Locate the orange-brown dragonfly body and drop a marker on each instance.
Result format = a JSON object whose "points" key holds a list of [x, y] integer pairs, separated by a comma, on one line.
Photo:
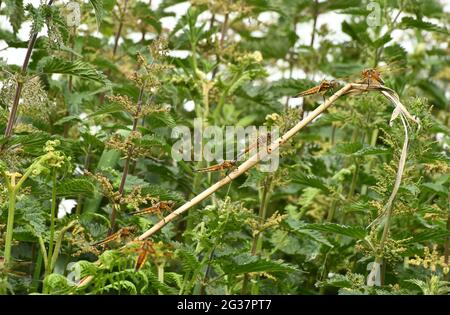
{"points": [[145, 249], [116, 236], [225, 165], [322, 88], [370, 76], [157, 208]]}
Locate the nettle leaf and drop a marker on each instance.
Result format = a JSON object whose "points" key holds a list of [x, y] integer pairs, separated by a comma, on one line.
{"points": [[32, 215], [337, 280], [151, 140], [15, 12], [351, 231], [37, 16], [188, 260], [56, 283], [369, 150], [50, 65], [257, 265], [386, 38], [160, 286], [437, 188], [31, 143], [160, 119], [315, 235], [395, 52], [429, 235], [409, 22], [163, 193], [107, 109], [348, 148], [310, 181], [253, 179], [121, 285], [73, 187], [98, 8], [434, 91]]}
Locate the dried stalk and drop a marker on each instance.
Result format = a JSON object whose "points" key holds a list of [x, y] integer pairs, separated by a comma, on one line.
{"points": [[251, 162], [350, 88]]}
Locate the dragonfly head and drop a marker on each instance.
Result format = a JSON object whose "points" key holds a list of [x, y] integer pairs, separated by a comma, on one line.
{"points": [[334, 84]]}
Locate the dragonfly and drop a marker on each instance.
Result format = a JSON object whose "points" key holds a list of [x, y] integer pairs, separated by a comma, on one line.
{"points": [[123, 232], [367, 76], [372, 75], [225, 165], [262, 141], [322, 88], [146, 247], [157, 208]]}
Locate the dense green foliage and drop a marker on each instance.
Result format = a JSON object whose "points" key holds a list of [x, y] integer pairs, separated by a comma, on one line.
{"points": [[95, 111]]}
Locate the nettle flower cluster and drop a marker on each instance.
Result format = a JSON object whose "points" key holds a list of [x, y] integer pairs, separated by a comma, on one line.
{"points": [[431, 260], [133, 200], [149, 79]]}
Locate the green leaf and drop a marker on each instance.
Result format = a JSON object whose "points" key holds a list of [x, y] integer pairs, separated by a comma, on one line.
{"points": [[70, 118], [50, 65], [386, 38], [409, 22], [98, 8], [160, 286], [163, 193], [369, 150], [315, 235], [434, 91], [351, 231], [15, 11], [429, 235], [107, 109], [56, 283], [188, 260], [160, 119], [120, 285], [260, 265], [310, 181], [348, 148], [437, 188], [74, 187]]}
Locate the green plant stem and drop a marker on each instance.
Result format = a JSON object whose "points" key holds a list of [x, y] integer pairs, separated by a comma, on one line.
{"points": [[373, 142], [351, 190], [330, 215], [119, 30], [127, 161], [13, 189], [116, 43], [315, 16], [262, 217], [221, 42], [85, 167], [15, 106], [208, 268], [10, 226], [52, 221], [37, 272]]}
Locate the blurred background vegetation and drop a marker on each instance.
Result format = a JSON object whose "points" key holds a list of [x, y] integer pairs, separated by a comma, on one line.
{"points": [[299, 230]]}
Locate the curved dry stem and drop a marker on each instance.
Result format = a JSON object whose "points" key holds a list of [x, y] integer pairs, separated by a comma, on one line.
{"points": [[348, 89], [251, 162]]}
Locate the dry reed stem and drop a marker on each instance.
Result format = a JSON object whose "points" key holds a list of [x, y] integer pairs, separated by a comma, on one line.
{"points": [[252, 161], [350, 88]]}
